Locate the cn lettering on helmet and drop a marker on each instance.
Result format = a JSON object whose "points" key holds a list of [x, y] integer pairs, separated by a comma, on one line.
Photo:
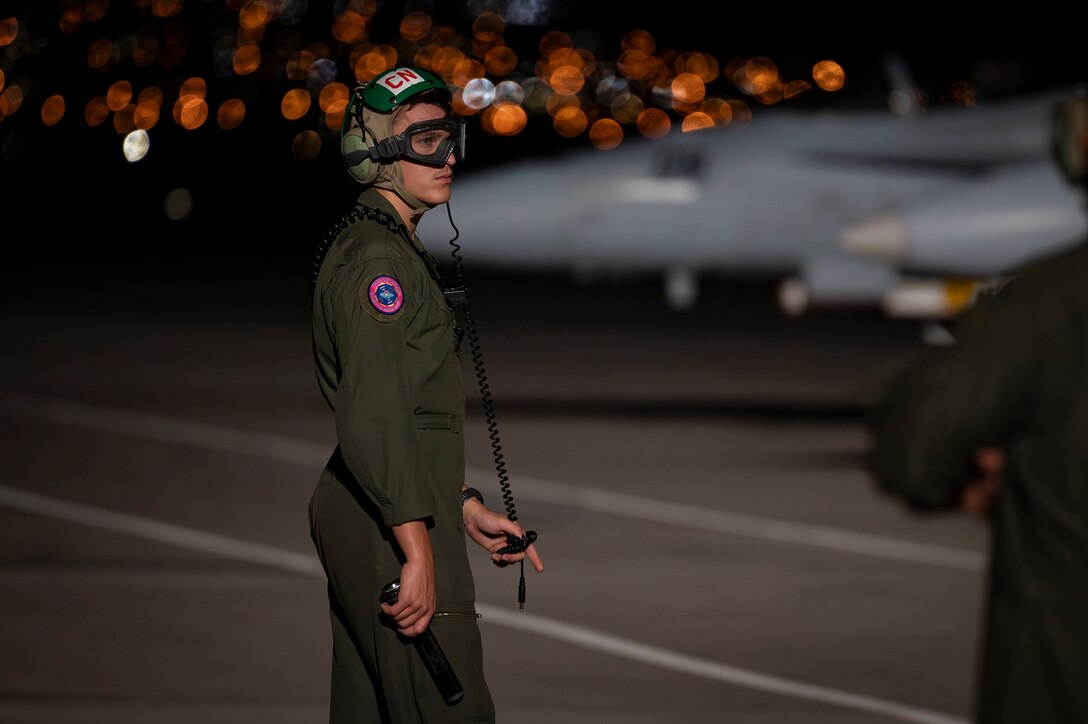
{"points": [[400, 79]]}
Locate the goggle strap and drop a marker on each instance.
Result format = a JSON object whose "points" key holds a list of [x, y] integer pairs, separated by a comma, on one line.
{"points": [[387, 150]]}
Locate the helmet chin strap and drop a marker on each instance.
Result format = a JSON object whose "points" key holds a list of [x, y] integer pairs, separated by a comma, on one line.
{"points": [[389, 174], [390, 178]]}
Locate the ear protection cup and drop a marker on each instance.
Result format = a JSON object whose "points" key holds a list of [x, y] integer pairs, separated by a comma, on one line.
{"points": [[1069, 141], [355, 149]]}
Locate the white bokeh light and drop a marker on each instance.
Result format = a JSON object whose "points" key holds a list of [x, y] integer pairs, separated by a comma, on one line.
{"points": [[478, 93], [509, 92], [136, 145]]}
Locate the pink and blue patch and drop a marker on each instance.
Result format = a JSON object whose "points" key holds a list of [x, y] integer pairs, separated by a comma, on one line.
{"points": [[386, 295]]}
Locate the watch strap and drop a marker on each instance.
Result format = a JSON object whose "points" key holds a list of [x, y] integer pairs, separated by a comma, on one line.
{"points": [[471, 493]]}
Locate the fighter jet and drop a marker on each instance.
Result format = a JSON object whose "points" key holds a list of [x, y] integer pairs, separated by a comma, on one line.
{"points": [[909, 213]]}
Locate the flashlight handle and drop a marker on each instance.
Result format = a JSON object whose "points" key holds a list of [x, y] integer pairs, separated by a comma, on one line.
{"points": [[434, 659], [438, 666]]}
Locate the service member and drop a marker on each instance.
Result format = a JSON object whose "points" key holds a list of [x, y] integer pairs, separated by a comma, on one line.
{"points": [[997, 424], [392, 501]]}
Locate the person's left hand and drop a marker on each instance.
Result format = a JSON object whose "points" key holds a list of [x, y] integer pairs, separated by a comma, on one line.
{"points": [[978, 496], [489, 530]]}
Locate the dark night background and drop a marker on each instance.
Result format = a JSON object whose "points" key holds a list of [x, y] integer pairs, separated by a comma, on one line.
{"points": [[68, 188], [164, 370]]}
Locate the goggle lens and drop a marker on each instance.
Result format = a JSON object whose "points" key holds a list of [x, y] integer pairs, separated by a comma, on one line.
{"points": [[432, 142]]}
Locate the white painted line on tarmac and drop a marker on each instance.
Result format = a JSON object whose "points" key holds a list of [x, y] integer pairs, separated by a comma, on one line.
{"points": [[170, 430], [300, 452], [720, 521], [708, 669], [160, 531], [225, 547]]}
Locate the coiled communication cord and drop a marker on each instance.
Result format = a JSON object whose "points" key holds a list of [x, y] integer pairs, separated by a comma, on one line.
{"points": [[346, 220], [513, 543]]}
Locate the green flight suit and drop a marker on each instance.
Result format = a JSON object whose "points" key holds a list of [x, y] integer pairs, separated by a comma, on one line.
{"points": [[385, 350], [1016, 378]]}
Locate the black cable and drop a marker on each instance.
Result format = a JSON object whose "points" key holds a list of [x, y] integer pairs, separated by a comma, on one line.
{"points": [[481, 376], [346, 220], [513, 543]]}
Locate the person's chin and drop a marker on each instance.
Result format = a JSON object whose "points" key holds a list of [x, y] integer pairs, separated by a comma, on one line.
{"points": [[438, 196]]}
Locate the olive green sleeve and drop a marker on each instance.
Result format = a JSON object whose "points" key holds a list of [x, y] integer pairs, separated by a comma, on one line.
{"points": [[375, 422], [952, 401]]}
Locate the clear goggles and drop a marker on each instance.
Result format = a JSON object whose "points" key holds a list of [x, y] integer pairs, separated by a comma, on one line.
{"points": [[431, 142]]}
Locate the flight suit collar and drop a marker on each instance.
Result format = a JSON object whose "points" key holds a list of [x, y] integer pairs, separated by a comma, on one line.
{"points": [[371, 198]]}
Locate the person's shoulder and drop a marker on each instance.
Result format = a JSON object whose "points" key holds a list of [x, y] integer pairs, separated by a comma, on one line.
{"points": [[365, 241], [361, 250], [1051, 277], [1046, 288], [1068, 263], [377, 232]]}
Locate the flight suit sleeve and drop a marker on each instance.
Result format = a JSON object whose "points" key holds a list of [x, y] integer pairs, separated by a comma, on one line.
{"points": [[375, 303], [952, 401]]}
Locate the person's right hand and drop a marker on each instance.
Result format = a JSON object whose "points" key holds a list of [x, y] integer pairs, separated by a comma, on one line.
{"points": [[416, 600]]}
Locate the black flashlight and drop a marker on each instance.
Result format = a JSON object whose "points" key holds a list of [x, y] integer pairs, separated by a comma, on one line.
{"points": [[433, 657]]}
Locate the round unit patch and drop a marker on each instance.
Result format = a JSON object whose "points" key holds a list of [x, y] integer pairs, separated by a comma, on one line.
{"points": [[386, 295]]}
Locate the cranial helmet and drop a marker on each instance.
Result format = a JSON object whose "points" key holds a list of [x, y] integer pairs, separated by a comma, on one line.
{"points": [[367, 143], [1070, 137]]}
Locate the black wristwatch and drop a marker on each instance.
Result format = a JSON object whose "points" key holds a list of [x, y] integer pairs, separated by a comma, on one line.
{"points": [[471, 493]]}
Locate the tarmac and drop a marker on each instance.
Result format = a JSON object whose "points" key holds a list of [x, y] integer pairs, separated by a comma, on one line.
{"points": [[715, 550]]}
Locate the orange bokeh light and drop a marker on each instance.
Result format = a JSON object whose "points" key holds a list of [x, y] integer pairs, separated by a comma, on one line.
{"points": [[96, 111], [500, 61], [508, 119], [9, 28], [688, 88], [118, 95], [147, 113], [696, 122], [295, 104], [488, 26], [829, 75], [71, 19], [570, 121], [653, 123], [191, 114], [246, 59], [231, 113], [566, 80], [52, 109], [606, 134]]}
